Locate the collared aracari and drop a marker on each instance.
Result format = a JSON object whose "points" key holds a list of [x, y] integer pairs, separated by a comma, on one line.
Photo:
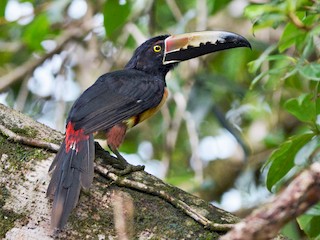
{"points": [[116, 102]]}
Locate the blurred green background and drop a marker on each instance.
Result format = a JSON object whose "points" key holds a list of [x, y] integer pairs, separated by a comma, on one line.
{"points": [[228, 114]]}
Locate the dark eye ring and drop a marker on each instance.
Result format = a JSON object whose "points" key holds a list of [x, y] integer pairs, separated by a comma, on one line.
{"points": [[157, 48]]}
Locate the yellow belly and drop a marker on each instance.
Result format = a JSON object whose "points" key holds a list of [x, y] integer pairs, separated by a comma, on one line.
{"points": [[146, 114]]}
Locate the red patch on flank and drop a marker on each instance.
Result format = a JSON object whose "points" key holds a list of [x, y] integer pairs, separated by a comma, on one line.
{"points": [[73, 137], [115, 135]]}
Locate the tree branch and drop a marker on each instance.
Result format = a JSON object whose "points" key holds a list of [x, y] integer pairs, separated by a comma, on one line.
{"points": [[181, 213], [264, 223], [125, 182], [30, 65], [27, 140], [156, 191]]}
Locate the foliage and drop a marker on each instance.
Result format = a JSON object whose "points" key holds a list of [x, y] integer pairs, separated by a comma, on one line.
{"points": [[293, 70], [85, 47], [270, 104]]}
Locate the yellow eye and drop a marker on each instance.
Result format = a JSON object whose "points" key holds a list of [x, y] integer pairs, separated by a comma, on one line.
{"points": [[157, 48]]}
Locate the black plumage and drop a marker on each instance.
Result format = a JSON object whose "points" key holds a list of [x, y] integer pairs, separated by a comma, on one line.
{"points": [[117, 101], [122, 95], [114, 98]]}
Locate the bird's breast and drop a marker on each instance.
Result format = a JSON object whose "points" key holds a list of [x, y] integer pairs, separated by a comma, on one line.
{"points": [[131, 122]]}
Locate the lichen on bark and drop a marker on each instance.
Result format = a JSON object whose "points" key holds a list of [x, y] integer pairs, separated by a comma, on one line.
{"points": [[24, 179]]}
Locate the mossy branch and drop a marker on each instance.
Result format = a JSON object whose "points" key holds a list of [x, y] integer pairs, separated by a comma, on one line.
{"points": [[189, 214]]}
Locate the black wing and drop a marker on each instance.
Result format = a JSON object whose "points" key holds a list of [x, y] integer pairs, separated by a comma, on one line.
{"points": [[116, 97]]}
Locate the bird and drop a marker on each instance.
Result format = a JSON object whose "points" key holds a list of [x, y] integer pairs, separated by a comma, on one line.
{"points": [[118, 101]]}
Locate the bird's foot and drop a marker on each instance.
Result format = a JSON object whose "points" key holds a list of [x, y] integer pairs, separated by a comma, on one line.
{"points": [[126, 167], [129, 168], [117, 165]]}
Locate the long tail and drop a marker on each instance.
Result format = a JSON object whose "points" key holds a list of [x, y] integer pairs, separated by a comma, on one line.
{"points": [[72, 169]]}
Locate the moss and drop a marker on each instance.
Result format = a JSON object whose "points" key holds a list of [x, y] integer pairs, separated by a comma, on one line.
{"points": [[152, 215], [4, 194], [26, 131], [7, 218], [57, 141], [17, 155], [169, 221], [15, 158], [88, 220]]}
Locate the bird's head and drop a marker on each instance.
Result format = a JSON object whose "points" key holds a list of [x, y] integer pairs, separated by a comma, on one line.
{"points": [[160, 54]]}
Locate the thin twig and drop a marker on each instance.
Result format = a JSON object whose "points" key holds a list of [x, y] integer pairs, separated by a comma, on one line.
{"points": [[28, 141], [191, 212], [297, 22]]}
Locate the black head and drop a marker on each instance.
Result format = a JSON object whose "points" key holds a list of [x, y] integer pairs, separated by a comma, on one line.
{"points": [[160, 54], [148, 57]]}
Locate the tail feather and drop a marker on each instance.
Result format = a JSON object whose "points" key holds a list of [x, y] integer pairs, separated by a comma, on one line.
{"points": [[65, 199], [72, 169], [67, 174], [87, 168], [56, 164]]}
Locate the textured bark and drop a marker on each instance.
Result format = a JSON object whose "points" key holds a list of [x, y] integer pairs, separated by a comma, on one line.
{"points": [[25, 211], [298, 197]]}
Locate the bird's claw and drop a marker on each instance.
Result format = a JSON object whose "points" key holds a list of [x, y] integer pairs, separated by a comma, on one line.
{"points": [[128, 169], [117, 165]]}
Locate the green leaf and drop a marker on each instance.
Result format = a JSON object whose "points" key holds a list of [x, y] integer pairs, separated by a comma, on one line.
{"points": [[317, 103], [303, 108], [308, 19], [308, 48], [115, 17], [291, 34], [3, 4], [304, 154], [257, 10], [36, 32], [303, 3], [290, 72], [266, 15], [281, 160], [314, 211], [310, 225], [311, 71], [273, 139], [256, 64], [257, 79], [272, 20], [291, 231], [275, 71]]}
